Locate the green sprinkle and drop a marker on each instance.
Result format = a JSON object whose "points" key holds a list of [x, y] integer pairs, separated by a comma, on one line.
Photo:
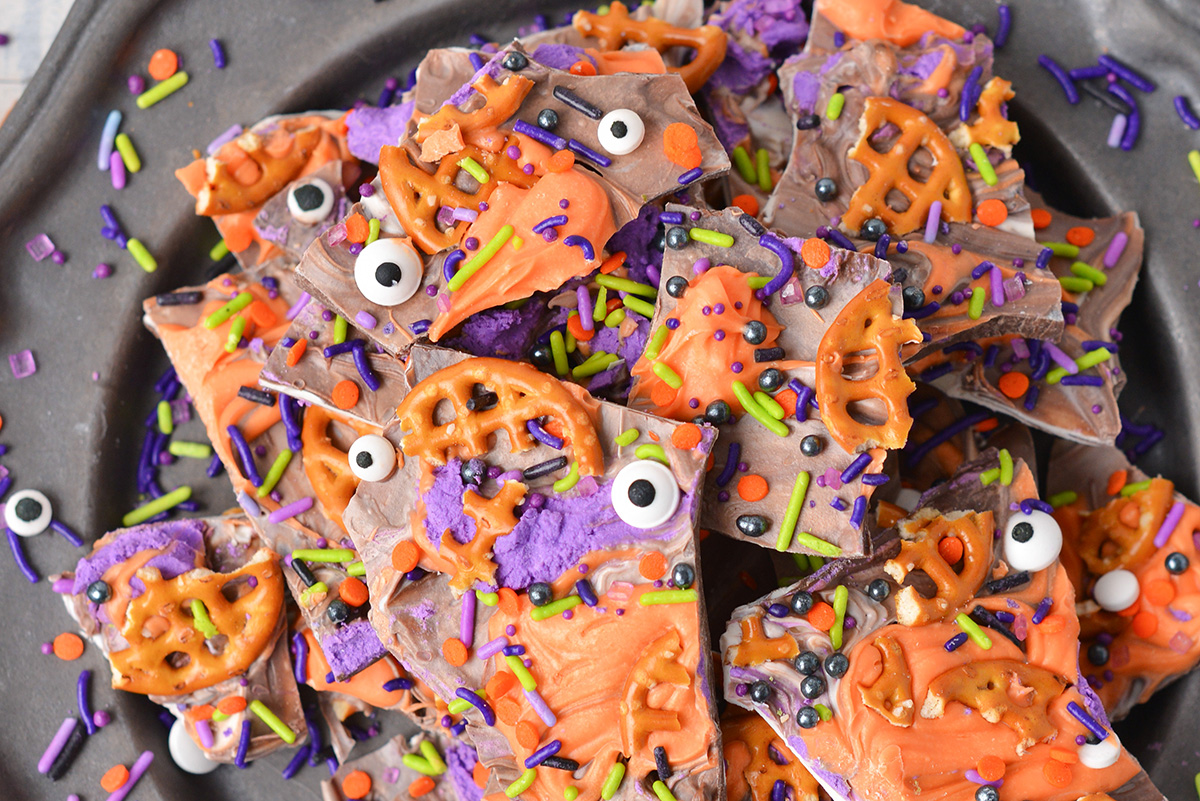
{"points": [[757, 281], [558, 347], [757, 412], [419, 764], [231, 308], [986, 171], [1064, 249], [1076, 285], [522, 784], [569, 480], [819, 545], [1196, 166], [234, 338], [325, 555], [569, 342], [430, 752], [638, 305], [973, 631], [524, 677], [627, 437], [372, 231], [657, 340], [201, 621], [770, 405], [652, 450], [459, 705], [219, 251], [792, 515], [218, 716], [616, 318], [823, 712], [141, 255], [356, 569], [600, 310], [1126, 491], [709, 237], [975, 305], [745, 167], [1194, 161], [475, 169], [320, 588], [156, 506], [165, 424], [801, 561], [487, 598], [841, 597], [662, 791], [762, 169], [598, 362], [129, 154], [270, 718], [1093, 358], [340, 329], [1085, 270], [570, 792], [159, 91], [555, 607], [833, 109], [818, 562], [190, 450], [658, 597], [476, 262], [669, 376], [1006, 467], [275, 473], [988, 477], [618, 284]]}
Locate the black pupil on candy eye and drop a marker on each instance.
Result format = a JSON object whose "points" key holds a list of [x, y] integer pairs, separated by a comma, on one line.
{"points": [[364, 460], [641, 493], [619, 129], [28, 509], [308, 197], [388, 273], [1022, 532]]}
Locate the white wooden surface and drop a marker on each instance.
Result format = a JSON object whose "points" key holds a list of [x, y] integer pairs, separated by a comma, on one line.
{"points": [[30, 26]]}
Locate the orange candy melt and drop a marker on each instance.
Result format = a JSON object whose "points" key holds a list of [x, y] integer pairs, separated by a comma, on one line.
{"points": [[114, 778], [163, 64], [653, 566], [686, 437], [662, 395], [455, 652], [479, 774], [815, 252], [1080, 236], [682, 145], [499, 685], [345, 394], [1159, 592], [357, 784], [992, 212], [1013, 384], [752, 488], [822, 616], [527, 735], [68, 646], [353, 591], [405, 555]]}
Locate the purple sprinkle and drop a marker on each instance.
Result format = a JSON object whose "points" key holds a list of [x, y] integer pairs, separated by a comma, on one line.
{"points": [[550, 222], [539, 756], [579, 148], [1060, 75], [1087, 720], [856, 467], [584, 588], [1004, 26], [575, 240], [859, 511], [956, 642], [1042, 610]]}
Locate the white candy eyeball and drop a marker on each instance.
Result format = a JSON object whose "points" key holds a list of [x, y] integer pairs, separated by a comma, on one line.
{"points": [[1032, 541], [645, 494], [187, 755], [372, 458], [1116, 590], [27, 513], [621, 132], [310, 202], [1102, 754], [388, 272]]}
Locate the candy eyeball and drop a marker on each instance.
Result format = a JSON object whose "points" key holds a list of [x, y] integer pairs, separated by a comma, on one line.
{"points": [[621, 132], [372, 458], [1032, 541], [1116, 590], [645, 494], [27, 513], [310, 202], [1103, 754], [186, 754], [388, 272]]}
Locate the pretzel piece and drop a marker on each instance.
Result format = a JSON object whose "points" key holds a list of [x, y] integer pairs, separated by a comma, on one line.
{"points": [[761, 771], [167, 655], [326, 466], [614, 29], [657, 664], [223, 193], [866, 327], [919, 551], [756, 647], [523, 393], [1016, 694], [891, 694], [1107, 542], [502, 101], [992, 129], [890, 171], [493, 518]]}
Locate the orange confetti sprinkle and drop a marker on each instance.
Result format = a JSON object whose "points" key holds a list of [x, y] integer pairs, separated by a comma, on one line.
{"points": [[950, 549], [992, 212], [353, 591], [822, 616], [1056, 773], [527, 735], [405, 555], [345, 394], [561, 161], [582, 67], [815, 252], [686, 436], [507, 710], [1116, 481], [1041, 218], [422, 785], [682, 145], [114, 778], [68, 646], [202, 712], [662, 394], [752, 488], [357, 784], [1145, 624], [747, 203], [653, 435], [652, 566], [499, 685], [296, 352], [455, 652], [1080, 236], [1132, 609], [357, 229], [1159, 592], [231, 705], [1013, 384], [163, 64], [990, 768]]}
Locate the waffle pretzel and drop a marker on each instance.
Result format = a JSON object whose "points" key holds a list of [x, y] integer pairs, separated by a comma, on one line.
{"points": [[1016, 694], [866, 326], [919, 551], [755, 737], [889, 171], [502, 101], [1108, 542], [657, 664], [222, 193], [493, 518], [524, 393], [891, 694], [158, 627], [326, 466], [616, 28]]}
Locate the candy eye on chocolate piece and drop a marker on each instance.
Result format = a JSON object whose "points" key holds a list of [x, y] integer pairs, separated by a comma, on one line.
{"points": [[645, 494], [27, 513], [1103, 754], [621, 132], [388, 272], [310, 202], [1032, 541], [372, 458]]}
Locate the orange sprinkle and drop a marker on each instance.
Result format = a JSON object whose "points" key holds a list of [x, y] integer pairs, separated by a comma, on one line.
{"points": [[1013, 384], [499, 685], [345, 394], [420, 786], [686, 436], [353, 591], [787, 399], [748, 579], [612, 263], [822, 616], [987, 424], [653, 435], [357, 229], [357, 784], [1145, 624], [68, 646], [405, 555], [992, 212], [1053, 624], [296, 351], [455, 652], [507, 710], [114, 778], [612, 304], [990, 768], [231, 704], [582, 67], [752, 488], [1080, 236], [1064, 755], [479, 774], [527, 735], [1116, 481], [1159, 592], [508, 601], [1041, 218], [260, 314], [561, 161], [747, 203], [652, 566], [950, 549], [163, 64], [815, 252], [575, 326], [682, 146], [662, 394], [1056, 773]]}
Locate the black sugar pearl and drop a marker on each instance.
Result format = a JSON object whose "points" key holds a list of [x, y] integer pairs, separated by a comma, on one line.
{"points": [[760, 691], [684, 575], [473, 471], [547, 119], [914, 297], [541, 356], [1177, 563], [807, 717], [752, 525], [816, 296], [878, 590], [770, 379], [515, 62], [807, 663], [1097, 654], [808, 122], [676, 286], [826, 189], [836, 665], [812, 687], [811, 445], [338, 611], [899, 275], [677, 237], [987, 792], [540, 593], [717, 412], [754, 332], [873, 229], [98, 592], [802, 601], [659, 242]]}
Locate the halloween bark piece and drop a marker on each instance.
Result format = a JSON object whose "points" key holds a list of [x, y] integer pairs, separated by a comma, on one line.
{"points": [[716, 343], [499, 461], [944, 647], [191, 614]]}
